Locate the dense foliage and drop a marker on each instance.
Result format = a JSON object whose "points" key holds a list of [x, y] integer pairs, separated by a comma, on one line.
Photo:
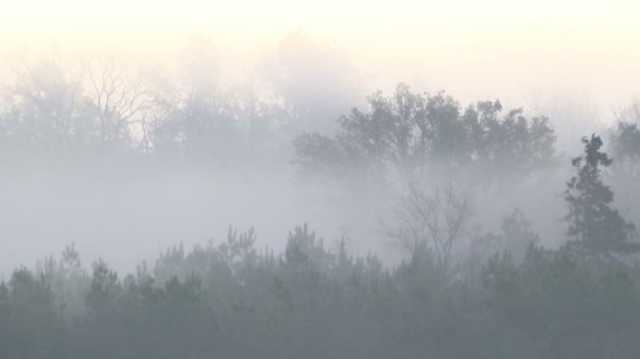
{"points": [[408, 132], [231, 300]]}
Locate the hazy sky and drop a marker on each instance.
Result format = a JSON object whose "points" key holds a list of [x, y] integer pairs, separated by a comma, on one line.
{"points": [[473, 49], [571, 60]]}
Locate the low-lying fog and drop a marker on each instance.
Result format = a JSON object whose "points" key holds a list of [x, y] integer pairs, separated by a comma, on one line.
{"points": [[127, 213]]}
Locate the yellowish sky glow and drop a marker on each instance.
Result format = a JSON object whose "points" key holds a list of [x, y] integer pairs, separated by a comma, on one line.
{"points": [[473, 47]]}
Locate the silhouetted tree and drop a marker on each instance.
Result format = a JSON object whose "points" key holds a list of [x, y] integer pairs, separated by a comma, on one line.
{"points": [[407, 132], [593, 222]]}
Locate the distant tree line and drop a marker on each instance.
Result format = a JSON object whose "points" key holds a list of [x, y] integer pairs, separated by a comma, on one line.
{"points": [[457, 294], [516, 299], [109, 111]]}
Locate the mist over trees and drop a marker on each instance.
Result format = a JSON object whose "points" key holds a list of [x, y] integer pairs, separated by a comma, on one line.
{"points": [[592, 221], [625, 138], [464, 231], [410, 133], [316, 301]]}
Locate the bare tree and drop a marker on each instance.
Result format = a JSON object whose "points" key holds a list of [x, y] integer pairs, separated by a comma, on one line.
{"points": [[435, 221], [121, 101]]}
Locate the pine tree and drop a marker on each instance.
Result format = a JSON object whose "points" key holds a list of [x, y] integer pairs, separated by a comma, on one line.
{"points": [[593, 222]]}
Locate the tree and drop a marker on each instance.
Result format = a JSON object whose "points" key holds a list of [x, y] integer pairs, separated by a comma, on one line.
{"points": [[33, 323], [436, 222], [104, 287], [515, 239], [52, 112], [118, 101], [594, 224], [625, 140], [46, 112], [408, 132], [194, 118]]}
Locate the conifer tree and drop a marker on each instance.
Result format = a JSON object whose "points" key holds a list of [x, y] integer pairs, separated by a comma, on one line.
{"points": [[593, 222]]}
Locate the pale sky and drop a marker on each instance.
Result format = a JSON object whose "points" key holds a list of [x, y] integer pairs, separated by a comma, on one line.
{"points": [[471, 48]]}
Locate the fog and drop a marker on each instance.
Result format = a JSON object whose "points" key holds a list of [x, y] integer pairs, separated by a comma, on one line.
{"points": [[313, 77], [292, 180], [125, 218]]}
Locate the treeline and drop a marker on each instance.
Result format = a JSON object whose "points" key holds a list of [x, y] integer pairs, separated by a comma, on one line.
{"points": [[186, 109], [514, 299], [459, 292], [111, 113], [232, 300]]}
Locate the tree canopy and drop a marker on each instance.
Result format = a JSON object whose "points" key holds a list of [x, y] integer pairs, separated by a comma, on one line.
{"points": [[409, 131]]}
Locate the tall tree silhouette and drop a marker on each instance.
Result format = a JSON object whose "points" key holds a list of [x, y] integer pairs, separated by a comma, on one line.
{"points": [[593, 222]]}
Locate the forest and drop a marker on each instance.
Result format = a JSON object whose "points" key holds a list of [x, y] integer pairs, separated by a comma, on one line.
{"points": [[482, 238]]}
